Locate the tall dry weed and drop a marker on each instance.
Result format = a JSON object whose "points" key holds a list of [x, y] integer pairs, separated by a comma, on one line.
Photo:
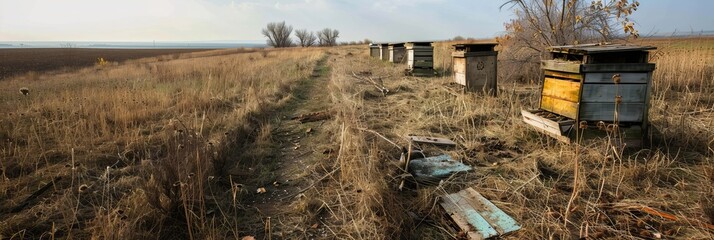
{"points": [[147, 138]]}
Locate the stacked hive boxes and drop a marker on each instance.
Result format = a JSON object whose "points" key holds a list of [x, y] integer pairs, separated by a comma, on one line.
{"points": [[396, 52], [420, 58], [475, 66], [374, 50], [603, 87], [384, 51]]}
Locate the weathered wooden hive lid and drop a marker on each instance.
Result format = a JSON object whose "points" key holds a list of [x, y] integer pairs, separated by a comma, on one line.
{"points": [[587, 49], [397, 44], [423, 44], [475, 47], [383, 44]]}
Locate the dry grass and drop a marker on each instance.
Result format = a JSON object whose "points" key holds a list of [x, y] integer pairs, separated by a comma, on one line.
{"points": [[526, 174], [136, 150], [157, 148]]}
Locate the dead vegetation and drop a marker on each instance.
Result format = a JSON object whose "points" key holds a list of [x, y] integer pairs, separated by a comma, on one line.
{"points": [[178, 148], [659, 192], [137, 150]]}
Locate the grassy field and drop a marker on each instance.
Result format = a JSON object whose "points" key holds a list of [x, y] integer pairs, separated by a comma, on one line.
{"points": [[126, 150], [181, 147], [527, 174]]}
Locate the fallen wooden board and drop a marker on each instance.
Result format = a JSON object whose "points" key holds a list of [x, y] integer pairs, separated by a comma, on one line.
{"points": [[441, 166], [312, 117], [476, 216], [665, 215], [34, 195], [432, 140], [547, 126]]}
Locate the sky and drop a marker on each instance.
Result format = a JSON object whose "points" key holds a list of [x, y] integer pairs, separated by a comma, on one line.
{"points": [[233, 20]]}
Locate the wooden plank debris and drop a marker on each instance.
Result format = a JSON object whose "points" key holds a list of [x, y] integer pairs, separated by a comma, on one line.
{"points": [[665, 215], [432, 140], [25, 203], [436, 168], [378, 83], [313, 117], [478, 217], [555, 129]]}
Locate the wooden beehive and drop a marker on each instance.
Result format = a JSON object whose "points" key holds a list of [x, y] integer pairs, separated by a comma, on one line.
{"points": [[475, 66], [396, 52], [420, 58], [384, 51], [601, 88], [374, 50]]}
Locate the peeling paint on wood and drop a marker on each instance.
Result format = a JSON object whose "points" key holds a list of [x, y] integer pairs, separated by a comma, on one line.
{"points": [[432, 140], [420, 58], [595, 82], [475, 67], [476, 215], [561, 89], [559, 106], [438, 167]]}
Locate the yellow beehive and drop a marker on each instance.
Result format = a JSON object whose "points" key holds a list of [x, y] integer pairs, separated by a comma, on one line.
{"points": [[594, 86]]}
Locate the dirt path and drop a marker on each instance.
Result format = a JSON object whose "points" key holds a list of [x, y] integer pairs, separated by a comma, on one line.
{"points": [[300, 153]]}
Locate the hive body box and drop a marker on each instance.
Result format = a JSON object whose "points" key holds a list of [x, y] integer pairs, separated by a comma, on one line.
{"points": [[384, 51], [596, 86], [374, 50], [396, 52], [420, 58], [475, 66]]}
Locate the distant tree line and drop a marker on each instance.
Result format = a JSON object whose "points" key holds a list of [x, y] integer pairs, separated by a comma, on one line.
{"points": [[279, 36], [365, 41]]}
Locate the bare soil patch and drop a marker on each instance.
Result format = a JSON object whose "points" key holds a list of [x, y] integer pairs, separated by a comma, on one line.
{"points": [[24, 60]]}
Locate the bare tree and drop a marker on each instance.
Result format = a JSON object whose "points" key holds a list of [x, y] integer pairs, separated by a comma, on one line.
{"points": [[367, 41], [328, 37], [542, 23], [305, 38], [539, 24], [278, 34]]}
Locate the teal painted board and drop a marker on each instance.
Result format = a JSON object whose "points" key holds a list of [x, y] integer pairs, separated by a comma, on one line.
{"points": [[625, 77], [458, 208], [628, 112], [494, 215], [606, 93], [477, 216], [441, 166]]}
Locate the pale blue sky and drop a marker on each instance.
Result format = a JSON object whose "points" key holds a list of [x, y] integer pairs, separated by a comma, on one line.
{"points": [[379, 20]]}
